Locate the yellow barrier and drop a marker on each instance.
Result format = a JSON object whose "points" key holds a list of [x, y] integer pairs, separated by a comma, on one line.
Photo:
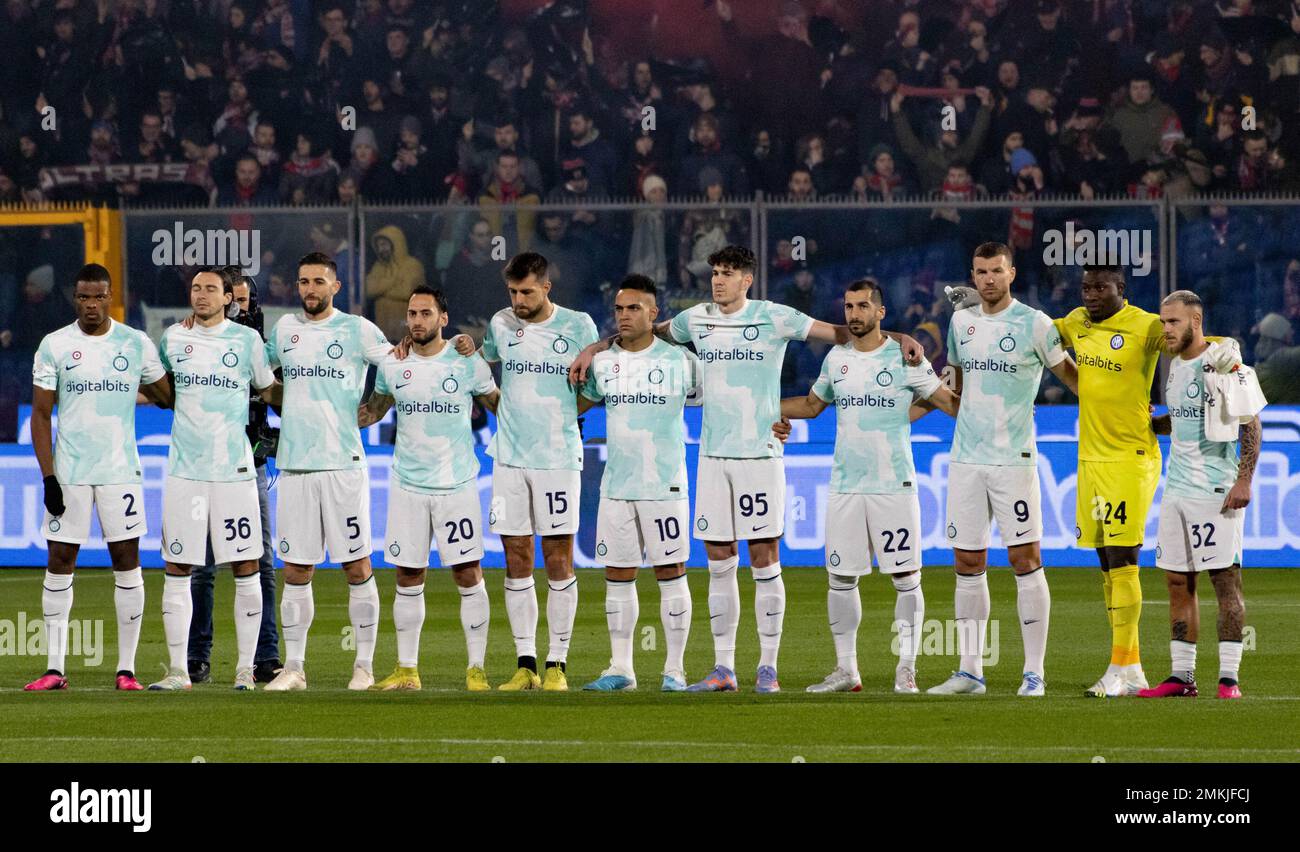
{"points": [[101, 231]]}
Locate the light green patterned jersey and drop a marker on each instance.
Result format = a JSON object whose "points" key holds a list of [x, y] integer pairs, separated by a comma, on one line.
{"points": [[1198, 468], [324, 369], [740, 361], [537, 419], [644, 393], [212, 369], [433, 397], [96, 378], [1001, 357], [872, 392]]}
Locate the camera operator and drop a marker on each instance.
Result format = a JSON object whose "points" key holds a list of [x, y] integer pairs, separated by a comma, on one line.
{"points": [[244, 310]]}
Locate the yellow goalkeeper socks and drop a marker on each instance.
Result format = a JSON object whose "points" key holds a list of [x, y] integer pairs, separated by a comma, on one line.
{"points": [[1125, 607], [1106, 586]]}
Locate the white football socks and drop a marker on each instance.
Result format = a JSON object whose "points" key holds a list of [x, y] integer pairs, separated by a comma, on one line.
{"points": [[724, 609], [561, 607], [909, 615], [521, 611], [1229, 659], [844, 611], [248, 618], [128, 600], [56, 604], [297, 609], [1183, 658], [971, 610], [675, 613], [177, 611], [363, 612], [621, 612], [1034, 606], [474, 617], [769, 611], [408, 621]]}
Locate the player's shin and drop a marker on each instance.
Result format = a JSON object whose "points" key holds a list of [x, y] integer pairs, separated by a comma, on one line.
{"points": [[1034, 606], [909, 615], [56, 604], [128, 600], [724, 609], [521, 611], [474, 618], [621, 612], [177, 612], [297, 609], [769, 612], [408, 621], [363, 612], [561, 607], [971, 611], [1126, 610], [844, 610], [248, 617], [675, 613]]}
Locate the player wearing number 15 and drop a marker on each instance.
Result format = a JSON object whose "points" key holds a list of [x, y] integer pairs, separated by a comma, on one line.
{"points": [[211, 488]]}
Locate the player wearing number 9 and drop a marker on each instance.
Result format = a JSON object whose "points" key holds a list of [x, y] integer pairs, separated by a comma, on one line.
{"points": [[211, 488]]}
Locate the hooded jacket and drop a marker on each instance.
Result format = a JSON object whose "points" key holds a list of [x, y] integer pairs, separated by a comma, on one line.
{"points": [[389, 282]]}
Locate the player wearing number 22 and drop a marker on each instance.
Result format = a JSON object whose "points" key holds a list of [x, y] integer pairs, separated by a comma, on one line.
{"points": [[433, 490], [998, 350], [645, 382], [324, 484], [873, 501], [211, 489]]}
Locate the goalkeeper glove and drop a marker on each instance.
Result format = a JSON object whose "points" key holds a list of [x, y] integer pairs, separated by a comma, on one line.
{"points": [[53, 496], [962, 297], [1225, 357]]}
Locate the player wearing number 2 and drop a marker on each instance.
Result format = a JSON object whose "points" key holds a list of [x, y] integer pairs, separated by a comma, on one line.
{"points": [[998, 350], [873, 501], [211, 489]]}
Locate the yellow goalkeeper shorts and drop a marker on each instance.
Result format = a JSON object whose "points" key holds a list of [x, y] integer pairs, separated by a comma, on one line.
{"points": [[1112, 501]]}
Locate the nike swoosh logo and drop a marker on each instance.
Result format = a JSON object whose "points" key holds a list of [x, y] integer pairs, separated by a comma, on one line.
{"points": [[477, 626], [760, 527], [183, 360], [466, 550], [778, 612], [355, 549], [904, 562], [242, 549], [672, 614], [515, 343], [253, 613], [133, 526], [702, 336], [553, 526], [366, 626], [711, 617], [1111, 535], [612, 611], [967, 340], [290, 349], [73, 367], [399, 387], [1029, 622], [1022, 532], [836, 381], [54, 614], [136, 617], [670, 552], [1206, 558]]}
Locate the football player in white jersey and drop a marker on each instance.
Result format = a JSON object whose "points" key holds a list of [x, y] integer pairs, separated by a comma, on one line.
{"points": [[92, 369], [1207, 488], [324, 483], [537, 460], [997, 351], [873, 506], [211, 489], [644, 510], [433, 490], [740, 482]]}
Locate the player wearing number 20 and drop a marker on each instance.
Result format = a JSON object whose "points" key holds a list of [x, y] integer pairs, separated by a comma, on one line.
{"points": [[211, 488], [998, 350], [873, 502], [433, 490], [645, 382]]}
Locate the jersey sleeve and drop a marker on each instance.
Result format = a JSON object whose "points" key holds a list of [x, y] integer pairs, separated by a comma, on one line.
{"points": [[789, 323], [45, 370], [162, 350], [271, 350], [381, 381], [489, 348], [591, 387], [1047, 341], [589, 334], [952, 343], [1154, 335], [824, 387], [482, 383], [922, 379], [680, 328], [1062, 325], [151, 368], [374, 345], [694, 378]]}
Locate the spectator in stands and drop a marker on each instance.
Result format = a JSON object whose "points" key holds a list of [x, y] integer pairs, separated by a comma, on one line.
{"points": [[1277, 360], [248, 189], [266, 152], [586, 144], [412, 167], [1141, 119], [1259, 167], [372, 177], [932, 159], [481, 163], [391, 279], [473, 282], [508, 187], [649, 251], [709, 153], [309, 177]]}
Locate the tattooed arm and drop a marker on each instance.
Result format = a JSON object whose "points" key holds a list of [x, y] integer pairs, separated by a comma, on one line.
{"points": [[1239, 495]]}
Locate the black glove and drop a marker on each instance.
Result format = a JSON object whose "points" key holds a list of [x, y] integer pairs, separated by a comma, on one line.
{"points": [[53, 496]]}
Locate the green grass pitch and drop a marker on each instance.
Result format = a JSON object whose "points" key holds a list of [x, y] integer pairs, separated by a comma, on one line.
{"points": [[90, 722]]}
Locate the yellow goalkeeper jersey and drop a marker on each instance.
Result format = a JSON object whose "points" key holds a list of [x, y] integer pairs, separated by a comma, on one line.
{"points": [[1117, 361]]}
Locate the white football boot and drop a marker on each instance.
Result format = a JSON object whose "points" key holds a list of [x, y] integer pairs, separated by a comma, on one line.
{"points": [[838, 681], [959, 683], [287, 680]]}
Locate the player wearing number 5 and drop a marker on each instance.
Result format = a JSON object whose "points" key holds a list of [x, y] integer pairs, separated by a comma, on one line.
{"points": [[211, 488], [998, 350]]}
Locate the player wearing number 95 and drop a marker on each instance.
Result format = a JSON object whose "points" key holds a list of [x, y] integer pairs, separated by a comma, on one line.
{"points": [[324, 484], [998, 350], [433, 486], [93, 369], [1213, 406], [645, 382], [873, 501], [211, 488]]}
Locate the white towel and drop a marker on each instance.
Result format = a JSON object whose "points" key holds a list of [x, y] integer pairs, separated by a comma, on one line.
{"points": [[1230, 400]]}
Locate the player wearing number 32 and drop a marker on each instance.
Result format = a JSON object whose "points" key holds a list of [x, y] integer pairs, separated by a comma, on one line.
{"points": [[433, 486], [211, 488], [324, 484]]}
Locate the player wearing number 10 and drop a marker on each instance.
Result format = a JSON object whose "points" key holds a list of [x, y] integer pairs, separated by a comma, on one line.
{"points": [[211, 487]]}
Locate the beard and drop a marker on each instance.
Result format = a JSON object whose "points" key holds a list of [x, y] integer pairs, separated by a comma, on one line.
{"points": [[320, 308], [861, 329], [428, 337]]}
